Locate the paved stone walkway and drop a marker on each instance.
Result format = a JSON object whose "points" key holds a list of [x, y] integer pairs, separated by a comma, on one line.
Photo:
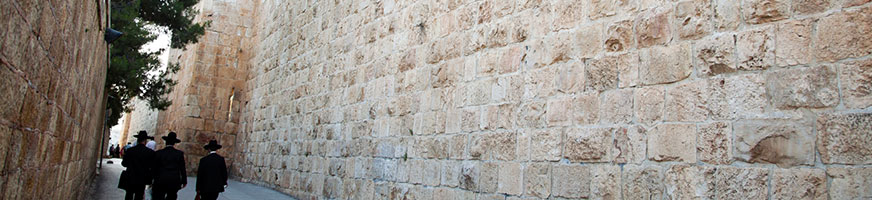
{"points": [[105, 187]]}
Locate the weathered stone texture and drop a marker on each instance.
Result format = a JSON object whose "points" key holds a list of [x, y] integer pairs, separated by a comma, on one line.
{"points": [[602, 99], [672, 142], [849, 182], [781, 143], [52, 73], [813, 87], [845, 138], [799, 184]]}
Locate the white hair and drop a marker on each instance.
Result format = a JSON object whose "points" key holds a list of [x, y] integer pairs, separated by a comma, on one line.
{"points": [[150, 145]]}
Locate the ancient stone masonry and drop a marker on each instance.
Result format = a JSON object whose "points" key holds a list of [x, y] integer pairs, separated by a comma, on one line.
{"points": [[206, 102], [145, 120], [53, 67], [530, 99]]}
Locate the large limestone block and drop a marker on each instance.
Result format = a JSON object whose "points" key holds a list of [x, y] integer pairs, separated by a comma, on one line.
{"points": [[800, 183], [841, 35], [763, 11], [845, 138], [665, 64], [855, 81], [642, 182], [689, 182], [588, 144], [810, 87], [741, 183], [850, 182], [537, 180], [653, 27], [571, 181], [778, 142], [672, 142], [714, 143]]}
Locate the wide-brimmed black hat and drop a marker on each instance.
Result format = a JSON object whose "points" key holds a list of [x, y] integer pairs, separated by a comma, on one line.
{"points": [[143, 135], [213, 145], [171, 138]]}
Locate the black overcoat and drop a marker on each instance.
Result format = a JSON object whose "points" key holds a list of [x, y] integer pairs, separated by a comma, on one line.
{"points": [[137, 160], [211, 174], [169, 169]]}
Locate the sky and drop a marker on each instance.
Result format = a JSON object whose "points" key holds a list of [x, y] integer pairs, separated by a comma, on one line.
{"points": [[162, 42]]}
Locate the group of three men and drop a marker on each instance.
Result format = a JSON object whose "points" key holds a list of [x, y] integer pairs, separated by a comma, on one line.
{"points": [[165, 171]]}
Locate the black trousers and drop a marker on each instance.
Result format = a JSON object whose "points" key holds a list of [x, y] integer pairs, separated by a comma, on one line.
{"points": [[135, 192], [208, 196], [164, 194]]}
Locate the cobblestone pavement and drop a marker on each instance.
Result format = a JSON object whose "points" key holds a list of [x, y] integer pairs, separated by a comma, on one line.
{"points": [[105, 187]]}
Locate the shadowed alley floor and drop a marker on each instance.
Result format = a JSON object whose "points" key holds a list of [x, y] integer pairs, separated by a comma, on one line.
{"points": [[105, 187]]}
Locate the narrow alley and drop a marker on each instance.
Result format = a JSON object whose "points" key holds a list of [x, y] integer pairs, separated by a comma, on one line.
{"points": [[105, 187]]}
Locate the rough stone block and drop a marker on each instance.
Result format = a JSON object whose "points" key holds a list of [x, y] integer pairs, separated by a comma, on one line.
{"points": [[488, 177], [537, 180], [620, 36], [852, 3], [630, 144], [844, 138], [648, 104], [532, 115], [763, 11], [837, 35], [714, 145], [693, 18], [509, 181], [586, 108], [672, 142], [570, 181], [605, 182], [804, 7], [741, 183], [587, 40], [689, 182], [569, 13], [800, 183], [642, 182], [12, 92], [715, 55], [849, 182], [855, 80], [546, 144], [588, 144], [755, 49], [450, 173], [687, 102], [781, 143], [810, 87], [653, 27], [602, 73], [469, 175], [616, 107], [559, 111], [665, 64], [726, 14]]}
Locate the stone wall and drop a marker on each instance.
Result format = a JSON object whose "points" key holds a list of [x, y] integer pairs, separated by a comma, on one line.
{"points": [[213, 72], [53, 67], [141, 118], [624, 99]]}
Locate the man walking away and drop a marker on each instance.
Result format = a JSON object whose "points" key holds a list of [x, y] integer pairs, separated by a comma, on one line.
{"points": [[169, 170], [212, 173], [138, 174]]}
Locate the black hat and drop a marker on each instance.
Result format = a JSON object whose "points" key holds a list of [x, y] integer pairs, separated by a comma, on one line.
{"points": [[171, 138], [143, 135], [213, 145]]}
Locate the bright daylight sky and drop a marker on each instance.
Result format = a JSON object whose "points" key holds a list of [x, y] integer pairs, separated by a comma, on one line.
{"points": [[162, 41]]}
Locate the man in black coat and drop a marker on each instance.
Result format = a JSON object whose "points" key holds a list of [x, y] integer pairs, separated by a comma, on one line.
{"points": [[212, 173], [169, 170], [137, 160]]}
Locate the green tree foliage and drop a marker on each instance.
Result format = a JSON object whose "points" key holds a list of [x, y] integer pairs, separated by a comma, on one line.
{"points": [[134, 73]]}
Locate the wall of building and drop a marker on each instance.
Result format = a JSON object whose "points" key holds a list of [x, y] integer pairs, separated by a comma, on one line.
{"points": [[212, 71], [141, 118], [497, 99], [53, 67]]}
